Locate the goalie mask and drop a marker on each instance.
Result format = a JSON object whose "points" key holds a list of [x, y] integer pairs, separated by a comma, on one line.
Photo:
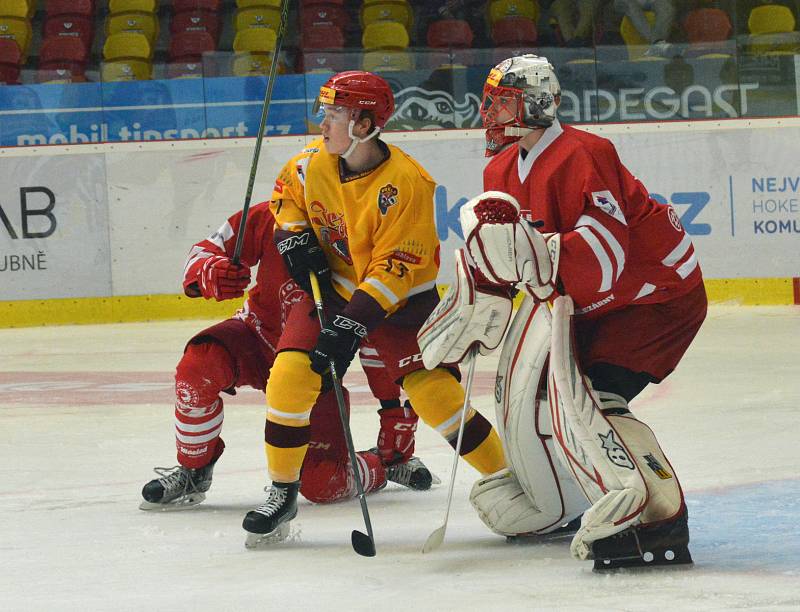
{"points": [[356, 91], [520, 94]]}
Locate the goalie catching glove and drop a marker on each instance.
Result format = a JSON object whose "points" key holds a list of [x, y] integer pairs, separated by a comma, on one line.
{"points": [[507, 249], [467, 315]]}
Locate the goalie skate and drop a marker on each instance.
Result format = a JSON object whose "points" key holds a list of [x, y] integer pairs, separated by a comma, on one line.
{"points": [[269, 523], [177, 488], [662, 544], [566, 530]]}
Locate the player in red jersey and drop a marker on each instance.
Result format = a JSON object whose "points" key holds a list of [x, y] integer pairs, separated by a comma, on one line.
{"points": [[239, 352], [562, 216]]}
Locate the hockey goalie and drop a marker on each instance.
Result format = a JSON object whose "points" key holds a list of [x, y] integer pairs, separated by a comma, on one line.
{"points": [[612, 297]]}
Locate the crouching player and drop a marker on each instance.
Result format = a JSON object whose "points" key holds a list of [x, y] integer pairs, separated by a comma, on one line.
{"points": [[240, 352], [566, 218]]}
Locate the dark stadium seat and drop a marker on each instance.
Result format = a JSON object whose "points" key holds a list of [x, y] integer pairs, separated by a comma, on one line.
{"points": [[190, 46], [70, 26], [196, 21], [68, 55], [10, 58], [180, 6], [514, 32], [323, 14], [450, 33], [322, 37], [69, 7]]}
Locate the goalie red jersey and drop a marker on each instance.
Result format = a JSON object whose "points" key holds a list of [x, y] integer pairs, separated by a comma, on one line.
{"points": [[618, 245]]}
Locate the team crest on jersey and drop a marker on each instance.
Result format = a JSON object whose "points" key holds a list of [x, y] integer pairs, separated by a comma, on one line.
{"points": [[673, 218], [332, 229], [606, 202], [387, 197]]}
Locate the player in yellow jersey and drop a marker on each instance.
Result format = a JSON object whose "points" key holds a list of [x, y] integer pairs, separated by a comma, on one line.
{"points": [[358, 213]]}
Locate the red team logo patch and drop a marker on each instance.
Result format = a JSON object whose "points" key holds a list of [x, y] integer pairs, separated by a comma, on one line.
{"points": [[673, 218]]}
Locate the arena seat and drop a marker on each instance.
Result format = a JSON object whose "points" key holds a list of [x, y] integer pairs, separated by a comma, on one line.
{"points": [[708, 32], [181, 6], [322, 37], [258, 17], [196, 21], [384, 60], [514, 32], [132, 6], [323, 14], [385, 35], [398, 11], [139, 23], [253, 47], [323, 62], [185, 70], [64, 59], [24, 9], [84, 8], [635, 43], [190, 46], [772, 31], [450, 33], [10, 59], [126, 70], [127, 57], [70, 26], [18, 30], [276, 4], [499, 9], [312, 3]]}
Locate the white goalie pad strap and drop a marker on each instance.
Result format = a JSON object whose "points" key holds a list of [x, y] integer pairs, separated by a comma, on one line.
{"points": [[465, 316], [523, 420], [588, 443], [505, 248]]}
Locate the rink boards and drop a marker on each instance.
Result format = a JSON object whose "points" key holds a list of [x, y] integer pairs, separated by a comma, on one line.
{"points": [[99, 232]]}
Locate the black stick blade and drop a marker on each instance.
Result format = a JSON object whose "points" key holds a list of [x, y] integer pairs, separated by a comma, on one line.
{"points": [[363, 544]]}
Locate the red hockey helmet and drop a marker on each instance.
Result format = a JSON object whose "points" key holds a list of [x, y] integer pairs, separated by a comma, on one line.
{"points": [[521, 94], [358, 89]]}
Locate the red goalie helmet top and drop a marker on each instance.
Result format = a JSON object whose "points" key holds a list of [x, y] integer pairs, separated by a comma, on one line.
{"points": [[359, 89]]}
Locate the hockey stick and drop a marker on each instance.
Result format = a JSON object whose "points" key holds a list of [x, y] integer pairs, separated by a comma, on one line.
{"points": [[436, 538], [363, 543], [273, 69]]}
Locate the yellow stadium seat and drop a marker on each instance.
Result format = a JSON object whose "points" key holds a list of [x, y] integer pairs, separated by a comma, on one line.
{"points": [[132, 6], [385, 35], [126, 70], [387, 61], [24, 9], [255, 40], [251, 64], [253, 3], [498, 9], [18, 30], [389, 10], [636, 43], [258, 17], [139, 23], [770, 19], [127, 45]]}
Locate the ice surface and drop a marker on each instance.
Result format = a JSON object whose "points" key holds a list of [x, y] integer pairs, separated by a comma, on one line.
{"points": [[86, 412]]}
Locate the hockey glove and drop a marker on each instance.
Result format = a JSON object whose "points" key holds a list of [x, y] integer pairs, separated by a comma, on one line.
{"points": [[221, 279], [302, 254], [396, 437], [337, 341]]}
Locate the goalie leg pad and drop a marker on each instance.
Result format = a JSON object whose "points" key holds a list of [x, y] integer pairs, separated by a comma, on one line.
{"points": [[615, 457], [523, 421], [467, 315]]}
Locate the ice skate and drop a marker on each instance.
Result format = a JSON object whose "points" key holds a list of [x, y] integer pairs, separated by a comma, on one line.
{"points": [[269, 523], [412, 474], [177, 488], [663, 544]]}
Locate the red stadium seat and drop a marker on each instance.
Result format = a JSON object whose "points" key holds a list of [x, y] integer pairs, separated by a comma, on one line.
{"points": [[180, 6], [447, 33], [63, 58], [196, 21], [309, 3], [324, 14], [514, 32], [190, 46], [10, 58], [69, 7], [323, 62], [323, 37], [185, 70], [707, 25], [70, 26]]}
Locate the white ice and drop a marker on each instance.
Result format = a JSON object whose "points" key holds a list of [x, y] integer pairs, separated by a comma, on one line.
{"points": [[75, 452]]}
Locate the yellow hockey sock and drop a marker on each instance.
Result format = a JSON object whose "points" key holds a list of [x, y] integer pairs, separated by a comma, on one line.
{"points": [[437, 398]]}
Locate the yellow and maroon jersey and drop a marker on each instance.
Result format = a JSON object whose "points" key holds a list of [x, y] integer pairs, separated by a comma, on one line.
{"points": [[377, 228]]}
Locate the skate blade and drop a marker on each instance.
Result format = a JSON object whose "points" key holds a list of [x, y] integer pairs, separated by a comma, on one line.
{"points": [[265, 540], [679, 558], [182, 503], [435, 480]]}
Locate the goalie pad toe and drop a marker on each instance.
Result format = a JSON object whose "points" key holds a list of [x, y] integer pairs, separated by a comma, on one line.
{"points": [[504, 507], [466, 316]]}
